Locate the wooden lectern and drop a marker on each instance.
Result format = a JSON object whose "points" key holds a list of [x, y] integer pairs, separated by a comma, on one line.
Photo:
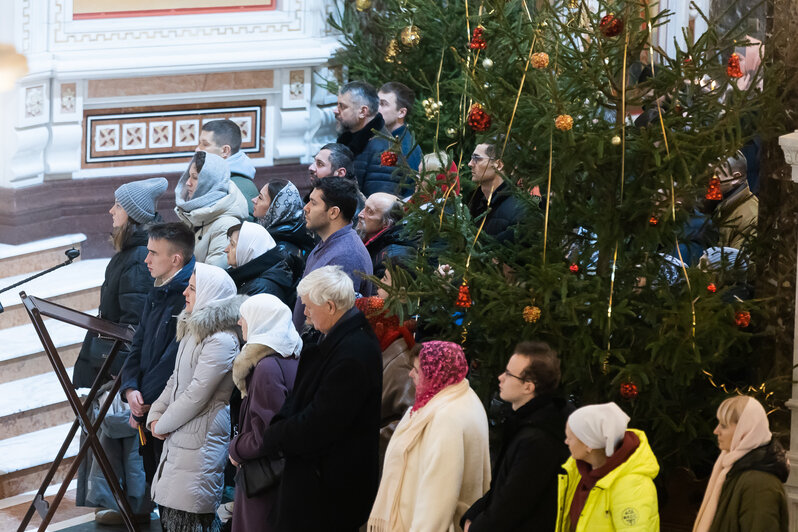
{"points": [[37, 308]]}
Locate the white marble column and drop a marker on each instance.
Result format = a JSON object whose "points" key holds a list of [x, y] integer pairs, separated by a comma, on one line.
{"points": [[789, 144]]}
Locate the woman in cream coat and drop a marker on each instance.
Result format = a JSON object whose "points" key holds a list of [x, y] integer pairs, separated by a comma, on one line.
{"points": [[437, 462], [191, 414]]}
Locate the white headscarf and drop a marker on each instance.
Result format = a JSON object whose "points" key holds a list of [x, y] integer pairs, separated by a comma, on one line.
{"points": [[212, 284], [269, 323], [599, 426], [253, 241]]}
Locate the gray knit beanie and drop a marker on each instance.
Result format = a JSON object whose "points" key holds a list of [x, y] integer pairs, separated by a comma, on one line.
{"points": [[138, 198]]}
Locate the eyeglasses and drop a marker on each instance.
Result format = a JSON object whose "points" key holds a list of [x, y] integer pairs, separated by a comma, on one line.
{"points": [[507, 372], [476, 158]]}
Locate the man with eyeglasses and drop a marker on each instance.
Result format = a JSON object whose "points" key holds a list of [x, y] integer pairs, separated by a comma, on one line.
{"points": [[506, 209], [523, 491]]}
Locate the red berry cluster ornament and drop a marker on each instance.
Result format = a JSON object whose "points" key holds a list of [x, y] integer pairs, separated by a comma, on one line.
{"points": [[653, 221], [742, 318], [463, 297], [711, 288], [574, 267], [733, 69], [713, 191], [629, 390], [610, 25], [388, 158], [478, 119], [478, 39]]}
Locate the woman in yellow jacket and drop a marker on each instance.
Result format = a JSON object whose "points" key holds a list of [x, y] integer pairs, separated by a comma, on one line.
{"points": [[608, 483]]}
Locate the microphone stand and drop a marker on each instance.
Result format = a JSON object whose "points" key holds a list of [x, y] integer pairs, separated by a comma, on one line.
{"points": [[71, 254]]}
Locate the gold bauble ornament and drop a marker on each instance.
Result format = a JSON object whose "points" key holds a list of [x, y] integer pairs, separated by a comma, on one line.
{"points": [[363, 5], [451, 132], [391, 51], [487, 63], [410, 36], [616, 140]]}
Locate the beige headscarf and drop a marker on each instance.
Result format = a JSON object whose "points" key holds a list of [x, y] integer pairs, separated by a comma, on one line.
{"points": [[752, 431]]}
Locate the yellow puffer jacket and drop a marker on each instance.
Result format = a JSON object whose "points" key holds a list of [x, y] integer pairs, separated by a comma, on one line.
{"points": [[625, 499]]}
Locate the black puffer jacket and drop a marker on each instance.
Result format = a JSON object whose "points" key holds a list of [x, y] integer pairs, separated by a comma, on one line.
{"points": [[276, 272], [293, 237], [523, 490], [389, 245], [127, 282], [367, 148], [507, 210]]}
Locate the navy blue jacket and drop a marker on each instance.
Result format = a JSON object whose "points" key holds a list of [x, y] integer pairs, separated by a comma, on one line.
{"points": [[390, 179], [151, 359]]}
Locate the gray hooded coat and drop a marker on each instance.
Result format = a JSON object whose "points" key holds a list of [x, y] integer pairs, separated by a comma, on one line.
{"points": [[216, 206], [193, 412]]}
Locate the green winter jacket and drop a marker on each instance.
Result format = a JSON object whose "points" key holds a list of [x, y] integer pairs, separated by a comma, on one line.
{"points": [[624, 499], [752, 498]]}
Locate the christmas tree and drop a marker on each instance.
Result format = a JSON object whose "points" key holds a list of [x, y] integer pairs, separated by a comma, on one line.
{"points": [[624, 143]]}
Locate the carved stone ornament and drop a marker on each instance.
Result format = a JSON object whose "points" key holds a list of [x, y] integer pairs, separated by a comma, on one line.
{"points": [[789, 144]]}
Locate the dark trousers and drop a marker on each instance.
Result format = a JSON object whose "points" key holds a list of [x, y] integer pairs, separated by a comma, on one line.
{"points": [[151, 455]]}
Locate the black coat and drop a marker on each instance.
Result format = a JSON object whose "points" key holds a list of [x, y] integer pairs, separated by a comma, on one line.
{"points": [[507, 210], [152, 353], [276, 272], [293, 238], [523, 490], [328, 431], [127, 282], [390, 245]]}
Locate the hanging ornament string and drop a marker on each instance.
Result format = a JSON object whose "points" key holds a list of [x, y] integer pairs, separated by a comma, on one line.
{"points": [[606, 362], [762, 388], [673, 186], [548, 196], [518, 95]]}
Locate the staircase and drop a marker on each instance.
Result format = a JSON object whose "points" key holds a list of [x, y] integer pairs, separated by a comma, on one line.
{"points": [[34, 414]]}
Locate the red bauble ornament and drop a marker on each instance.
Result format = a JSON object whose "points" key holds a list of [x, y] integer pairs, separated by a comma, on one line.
{"points": [[388, 158], [463, 297], [629, 390], [711, 288], [610, 25], [733, 69], [574, 268], [478, 119], [477, 39], [742, 318], [713, 191], [653, 221]]}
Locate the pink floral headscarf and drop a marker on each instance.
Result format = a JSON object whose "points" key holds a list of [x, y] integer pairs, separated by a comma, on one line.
{"points": [[442, 364]]}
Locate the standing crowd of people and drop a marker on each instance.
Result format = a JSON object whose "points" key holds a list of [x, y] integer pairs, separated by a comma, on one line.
{"points": [[267, 384]]}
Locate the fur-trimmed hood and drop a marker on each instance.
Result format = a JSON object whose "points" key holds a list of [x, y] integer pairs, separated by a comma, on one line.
{"points": [[215, 317], [246, 361]]}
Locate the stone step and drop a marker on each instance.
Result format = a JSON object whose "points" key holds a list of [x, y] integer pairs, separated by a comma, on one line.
{"points": [[37, 256], [22, 354], [34, 403], [25, 459], [76, 286]]}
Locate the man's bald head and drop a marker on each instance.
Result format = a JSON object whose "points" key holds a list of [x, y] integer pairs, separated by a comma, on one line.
{"points": [[380, 211]]}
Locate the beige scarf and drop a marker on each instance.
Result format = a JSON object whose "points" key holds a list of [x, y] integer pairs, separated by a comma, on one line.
{"points": [[385, 515], [752, 431]]}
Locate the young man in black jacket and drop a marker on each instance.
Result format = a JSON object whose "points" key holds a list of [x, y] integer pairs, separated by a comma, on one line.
{"points": [[523, 491], [151, 360]]}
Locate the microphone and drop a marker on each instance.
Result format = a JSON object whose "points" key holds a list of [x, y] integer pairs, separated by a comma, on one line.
{"points": [[71, 255]]}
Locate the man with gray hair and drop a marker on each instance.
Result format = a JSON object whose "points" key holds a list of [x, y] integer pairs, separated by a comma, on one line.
{"points": [[328, 428], [357, 117], [382, 234]]}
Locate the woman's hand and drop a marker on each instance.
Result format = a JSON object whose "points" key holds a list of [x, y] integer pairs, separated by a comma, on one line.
{"points": [[155, 434], [232, 461]]}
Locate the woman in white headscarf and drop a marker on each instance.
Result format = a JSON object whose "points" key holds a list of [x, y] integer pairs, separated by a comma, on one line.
{"points": [[608, 483], [191, 414], [259, 266], [264, 372]]}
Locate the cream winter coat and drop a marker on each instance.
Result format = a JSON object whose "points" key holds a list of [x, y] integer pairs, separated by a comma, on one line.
{"points": [[193, 412], [436, 466]]}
